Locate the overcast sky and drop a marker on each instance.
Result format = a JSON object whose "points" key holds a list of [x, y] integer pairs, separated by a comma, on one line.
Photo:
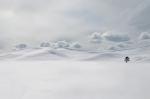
{"points": [[35, 20]]}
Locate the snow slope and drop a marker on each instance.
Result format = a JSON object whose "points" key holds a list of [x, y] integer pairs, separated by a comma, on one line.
{"points": [[138, 50], [47, 54], [74, 80]]}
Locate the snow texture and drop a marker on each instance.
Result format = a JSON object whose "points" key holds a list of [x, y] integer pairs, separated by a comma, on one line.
{"points": [[74, 80]]}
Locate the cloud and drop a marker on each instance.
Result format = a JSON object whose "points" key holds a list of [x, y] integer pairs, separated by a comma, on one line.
{"points": [[45, 44], [113, 48], [44, 20], [96, 37], [62, 44], [21, 46], [144, 36], [75, 45], [66, 44], [140, 16], [114, 37]]}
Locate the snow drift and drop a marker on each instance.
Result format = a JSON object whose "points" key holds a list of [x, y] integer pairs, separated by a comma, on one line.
{"points": [[97, 47]]}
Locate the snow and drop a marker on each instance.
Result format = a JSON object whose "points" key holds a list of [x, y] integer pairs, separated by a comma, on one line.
{"points": [[74, 80], [48, 54], [96, 46], [112, 47]]}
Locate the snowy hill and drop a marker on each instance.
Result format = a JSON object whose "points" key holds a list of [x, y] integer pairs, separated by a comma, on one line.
{"points": [[107, 49], [137, 54]]}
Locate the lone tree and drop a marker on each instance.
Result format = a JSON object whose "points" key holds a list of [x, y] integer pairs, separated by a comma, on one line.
{"points": [[127, 59]]}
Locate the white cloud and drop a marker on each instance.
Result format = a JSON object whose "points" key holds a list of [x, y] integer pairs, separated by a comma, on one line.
{"points": [[75, 45], [96, 37], [115, 37], [23, 20], [61, 44]]}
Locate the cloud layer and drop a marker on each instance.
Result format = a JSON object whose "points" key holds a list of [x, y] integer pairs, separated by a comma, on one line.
{"points": [[42, 20]]}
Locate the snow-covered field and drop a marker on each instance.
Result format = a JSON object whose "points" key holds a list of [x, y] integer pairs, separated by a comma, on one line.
{"points": [[74, 80], [66, 70], [49, 54], [74, 49]]}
